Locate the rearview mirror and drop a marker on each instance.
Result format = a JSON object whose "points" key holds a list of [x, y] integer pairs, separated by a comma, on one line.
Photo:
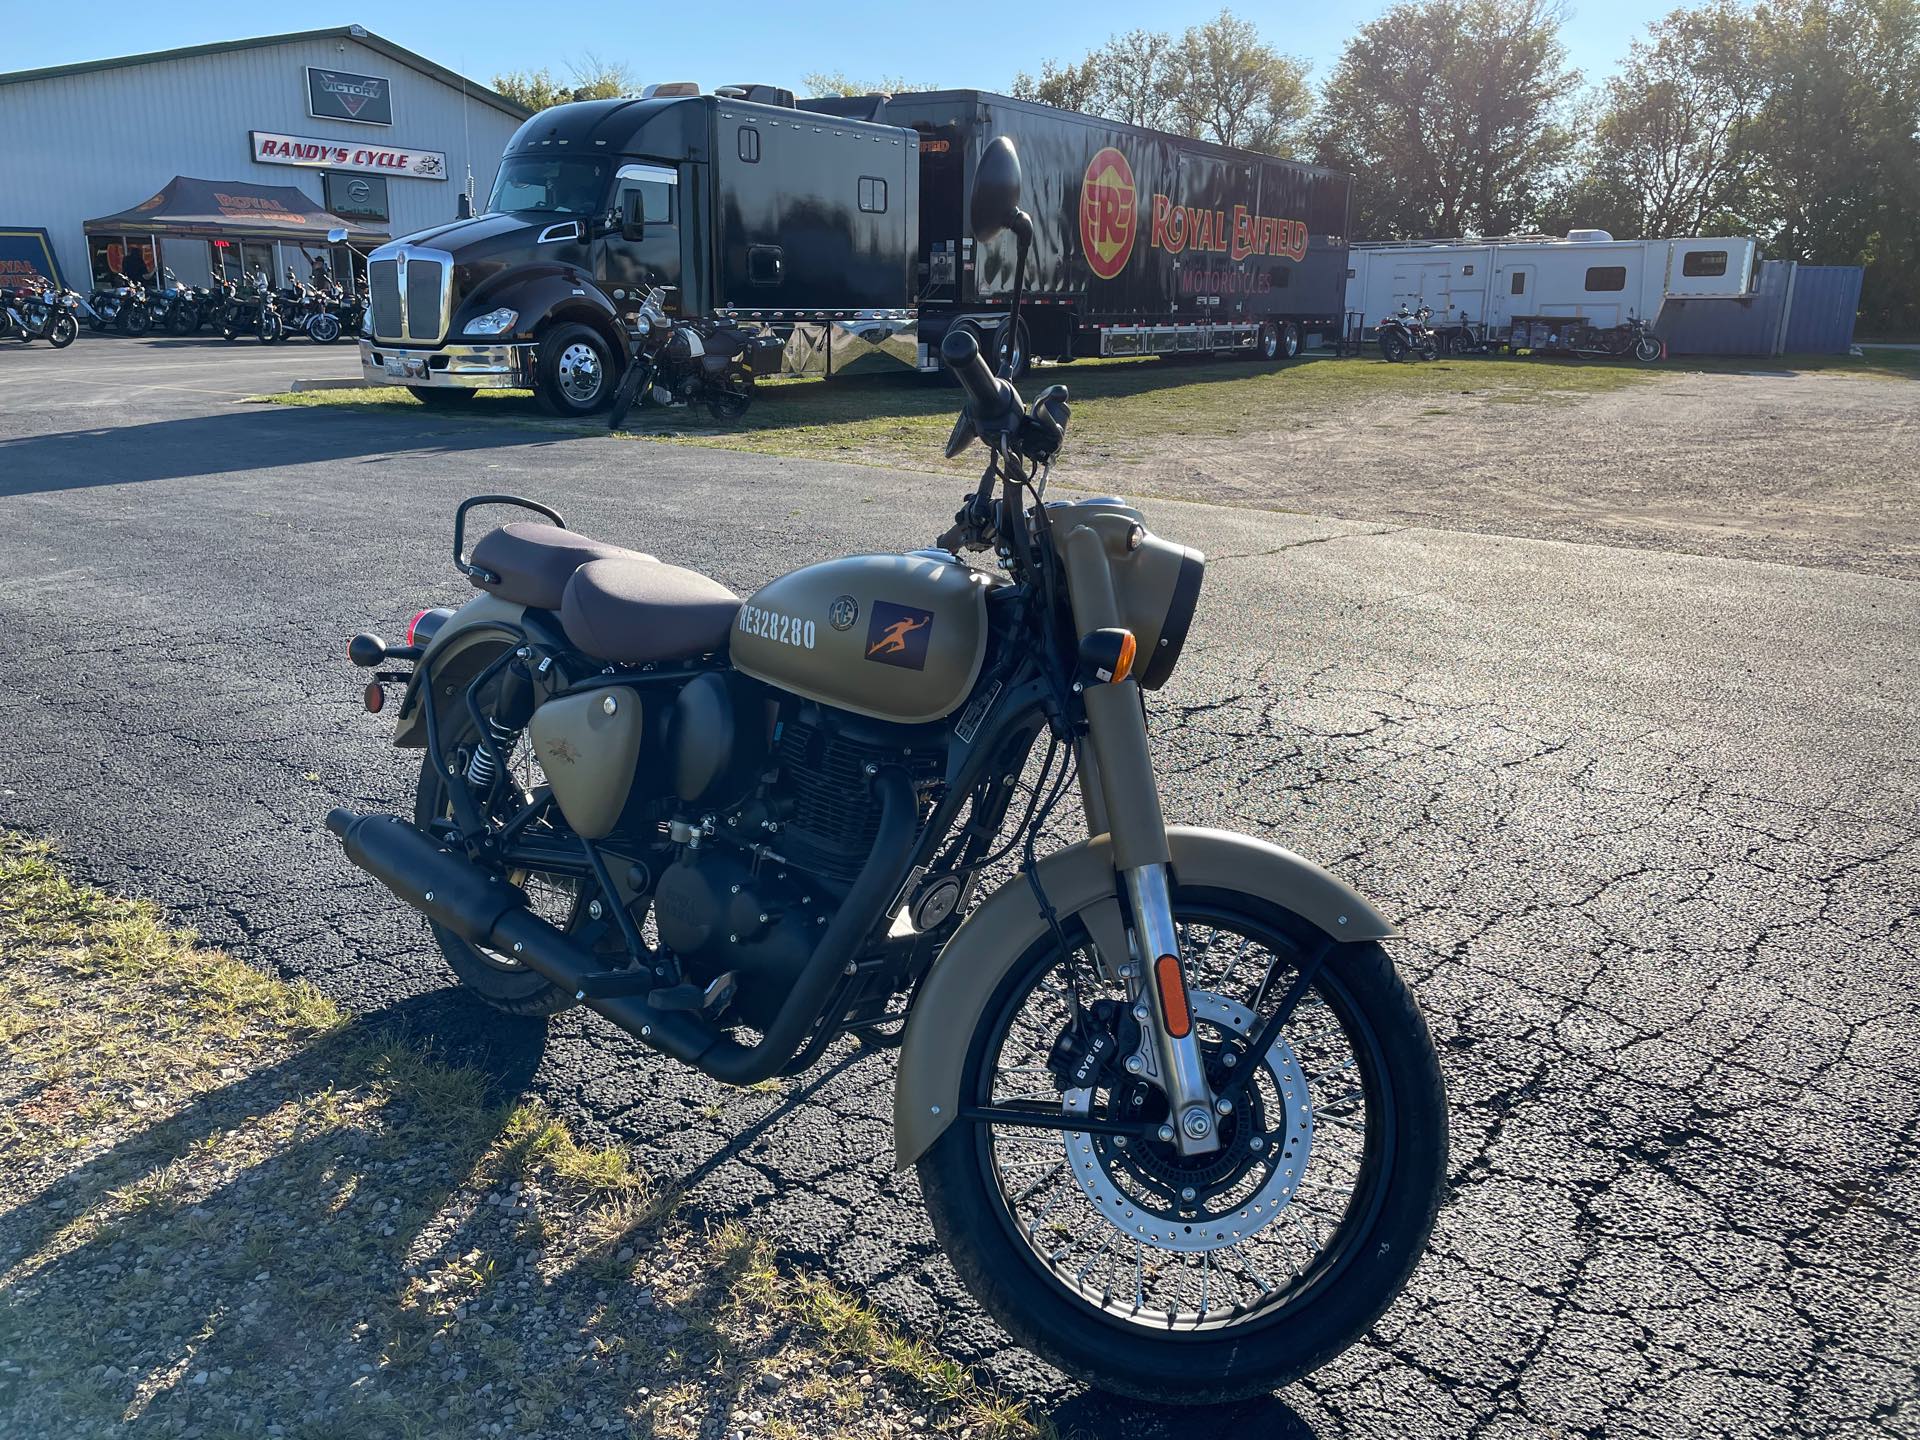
{"points": [[633, 223], [996, 190], [336, 236]]}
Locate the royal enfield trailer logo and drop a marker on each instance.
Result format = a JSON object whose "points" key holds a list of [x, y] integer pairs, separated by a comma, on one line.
{"points": [[338, 95], [1192, 227], [1108, 213], [898, 635], [316, 154]]}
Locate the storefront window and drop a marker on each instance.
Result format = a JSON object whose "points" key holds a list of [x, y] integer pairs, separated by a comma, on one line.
{"points": [[109, 255]]}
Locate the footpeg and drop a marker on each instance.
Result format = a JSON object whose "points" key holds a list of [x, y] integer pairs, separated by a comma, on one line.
{"points": [[689, 996]]}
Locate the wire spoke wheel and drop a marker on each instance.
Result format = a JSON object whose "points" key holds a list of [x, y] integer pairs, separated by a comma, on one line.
{"points": [[1149, 1237]]}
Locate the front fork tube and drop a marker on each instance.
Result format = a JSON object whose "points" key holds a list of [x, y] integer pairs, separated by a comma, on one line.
{"points": [[1122, 801]]}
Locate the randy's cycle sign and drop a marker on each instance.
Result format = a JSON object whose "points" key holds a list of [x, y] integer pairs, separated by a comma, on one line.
{"points": [[314, 153], [342, 95]]}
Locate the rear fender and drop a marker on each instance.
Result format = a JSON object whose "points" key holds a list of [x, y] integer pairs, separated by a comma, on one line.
{"points": [[469, 640], [1080, 881]]}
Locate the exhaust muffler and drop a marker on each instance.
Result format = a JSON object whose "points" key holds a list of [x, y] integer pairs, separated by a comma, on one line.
{"points": [[483, 909]]}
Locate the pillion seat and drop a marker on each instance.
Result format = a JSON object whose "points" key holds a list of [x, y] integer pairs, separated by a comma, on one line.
{"points": [[634, 612], [535, 562]]}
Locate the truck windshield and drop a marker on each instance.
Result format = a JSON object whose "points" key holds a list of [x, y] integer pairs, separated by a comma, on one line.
{"points": [[549, 185]]}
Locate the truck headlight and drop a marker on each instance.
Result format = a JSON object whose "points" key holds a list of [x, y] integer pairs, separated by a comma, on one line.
{"points": [[493, 322]]}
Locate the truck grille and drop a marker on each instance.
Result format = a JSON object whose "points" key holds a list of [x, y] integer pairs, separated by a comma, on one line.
{"points": [[384, 281], [412, 312], [423, 300]]}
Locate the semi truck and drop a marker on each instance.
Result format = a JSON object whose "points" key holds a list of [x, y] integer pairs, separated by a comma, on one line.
{"points": [[1147, 243], [734, 203], [839, 227], [1534, 291]]}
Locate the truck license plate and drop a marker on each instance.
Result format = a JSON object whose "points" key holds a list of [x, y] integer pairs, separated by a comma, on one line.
{"points": [[405, 368]]}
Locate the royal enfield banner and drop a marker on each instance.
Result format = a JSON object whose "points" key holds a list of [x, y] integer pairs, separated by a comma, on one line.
{"points": [[338, 95], [311, 153], [26, 253]]}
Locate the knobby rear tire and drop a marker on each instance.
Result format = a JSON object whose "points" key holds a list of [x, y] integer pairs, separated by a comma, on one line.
{"points": [[1237, 1361]]}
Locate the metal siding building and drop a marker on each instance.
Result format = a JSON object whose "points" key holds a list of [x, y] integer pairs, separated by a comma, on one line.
{"points": [[82, 141]]}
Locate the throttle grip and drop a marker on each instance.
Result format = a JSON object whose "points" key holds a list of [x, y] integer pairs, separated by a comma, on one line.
{"points": [[988, 398]]}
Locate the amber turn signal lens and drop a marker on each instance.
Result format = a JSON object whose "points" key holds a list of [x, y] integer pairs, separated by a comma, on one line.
{"points": [[1173, 996], [1106, 656]]}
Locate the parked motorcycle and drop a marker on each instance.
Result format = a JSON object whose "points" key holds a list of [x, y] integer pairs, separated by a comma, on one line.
{"points": [[38, 312], [1407, 334], [690, 362], [1460, 336], [121, 305], [1635, 339], [175, 307], [1177, 1120], [307, 311], [250, 310]]}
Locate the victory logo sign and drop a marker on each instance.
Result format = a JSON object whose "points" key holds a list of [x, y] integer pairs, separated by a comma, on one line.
{"points": [[1107, 213]]}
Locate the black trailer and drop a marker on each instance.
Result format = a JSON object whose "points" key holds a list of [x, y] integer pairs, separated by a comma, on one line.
{"points": [[772, 217], [1146, 243]]}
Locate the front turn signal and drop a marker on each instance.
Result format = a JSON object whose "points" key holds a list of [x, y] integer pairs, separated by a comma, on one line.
{"points": [[1106, 656]]}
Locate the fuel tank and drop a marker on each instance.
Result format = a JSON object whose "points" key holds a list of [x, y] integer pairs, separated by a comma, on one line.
{"points": [[893, 637]]}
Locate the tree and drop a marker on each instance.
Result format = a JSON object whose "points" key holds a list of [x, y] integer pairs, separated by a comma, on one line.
{"points": [[835, 82], [1670, 146], [1451, 116], [1230, 87], [593, 79], [1218, 82], [1065, 87]]}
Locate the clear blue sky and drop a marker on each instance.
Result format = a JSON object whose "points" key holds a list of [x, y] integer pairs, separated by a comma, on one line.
{"points": [[739, 40]]}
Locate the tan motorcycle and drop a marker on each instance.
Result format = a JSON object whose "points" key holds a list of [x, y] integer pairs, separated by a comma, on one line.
{"points": [[1178, 1122]]}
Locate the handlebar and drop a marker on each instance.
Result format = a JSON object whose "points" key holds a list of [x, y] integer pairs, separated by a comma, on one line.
{"points": [[988, 398]]}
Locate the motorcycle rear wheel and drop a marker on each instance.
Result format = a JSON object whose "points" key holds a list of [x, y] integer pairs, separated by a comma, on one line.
{"points": [[1103, 1274], [502, 983], [1393, 347]]}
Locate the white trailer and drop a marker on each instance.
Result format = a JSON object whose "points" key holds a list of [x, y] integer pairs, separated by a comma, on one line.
{"points": [[1588, 277]]}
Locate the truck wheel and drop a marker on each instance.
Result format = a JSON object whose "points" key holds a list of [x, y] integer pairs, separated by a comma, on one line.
{"points": [[1289, 340], [1022, 349], [435, 398], [573, 375], [1267, 346]]}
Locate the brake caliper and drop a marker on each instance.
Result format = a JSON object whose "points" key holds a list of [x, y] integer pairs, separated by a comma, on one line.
{"points": [[1095, 1049]]}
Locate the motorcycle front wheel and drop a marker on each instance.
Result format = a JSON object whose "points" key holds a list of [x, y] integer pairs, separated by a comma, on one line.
{"points": [[64, 332], [1646, 349], [1216, 1277]]}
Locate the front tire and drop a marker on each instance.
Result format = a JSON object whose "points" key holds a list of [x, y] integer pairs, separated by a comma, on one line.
{"points": [[64, 332], [324, 328], [1646, 349], [1131, 1315], [572, 376]]}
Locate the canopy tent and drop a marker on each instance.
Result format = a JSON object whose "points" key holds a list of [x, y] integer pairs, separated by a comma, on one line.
{"points": [[230, 209]]}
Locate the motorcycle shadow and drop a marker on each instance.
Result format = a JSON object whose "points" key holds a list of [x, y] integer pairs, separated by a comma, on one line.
{"points": [[1091, 1413]]}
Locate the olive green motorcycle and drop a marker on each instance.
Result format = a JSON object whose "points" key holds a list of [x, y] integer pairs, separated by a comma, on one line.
{"points": [[1179, 1124]]}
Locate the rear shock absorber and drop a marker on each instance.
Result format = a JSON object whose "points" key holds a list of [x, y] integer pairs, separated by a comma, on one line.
{"points": [[513, 708]]}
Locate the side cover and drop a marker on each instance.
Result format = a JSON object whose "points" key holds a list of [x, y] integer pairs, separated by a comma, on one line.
{"points": [[892, 637], [1079, 881]]}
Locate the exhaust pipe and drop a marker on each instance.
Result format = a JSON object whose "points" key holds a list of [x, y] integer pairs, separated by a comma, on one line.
{"points": [[484, 910]]}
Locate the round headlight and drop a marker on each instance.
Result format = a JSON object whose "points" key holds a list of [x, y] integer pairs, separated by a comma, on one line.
{"points": [[1179, 619]]}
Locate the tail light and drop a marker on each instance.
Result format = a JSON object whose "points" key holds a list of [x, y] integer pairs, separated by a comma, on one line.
{"points": [[426, 624]]}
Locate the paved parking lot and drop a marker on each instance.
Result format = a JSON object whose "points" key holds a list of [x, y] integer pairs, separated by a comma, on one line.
{"points": [[1647, 818]]}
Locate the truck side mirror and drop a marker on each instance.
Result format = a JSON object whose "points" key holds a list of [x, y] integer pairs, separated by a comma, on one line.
{"points": [[633, 224]]}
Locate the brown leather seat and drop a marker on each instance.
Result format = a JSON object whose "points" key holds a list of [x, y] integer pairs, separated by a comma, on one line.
{"points": [[534, 562], [634, 612]]}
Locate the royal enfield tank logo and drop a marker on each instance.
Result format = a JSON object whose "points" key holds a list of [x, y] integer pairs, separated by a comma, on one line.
{"points": [[1108, 213], [898, 635], [780, 629], [843, 612]]}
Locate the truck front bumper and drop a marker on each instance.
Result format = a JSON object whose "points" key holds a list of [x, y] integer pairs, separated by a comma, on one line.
{"points": [[448, 367]]}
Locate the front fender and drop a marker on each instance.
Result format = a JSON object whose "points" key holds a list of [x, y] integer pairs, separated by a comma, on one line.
{"points": [[1080, 881], [475, 624]]}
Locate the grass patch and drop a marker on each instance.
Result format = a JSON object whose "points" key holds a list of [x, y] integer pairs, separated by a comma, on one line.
{"points": [[228, 1209], [1121, 407]]}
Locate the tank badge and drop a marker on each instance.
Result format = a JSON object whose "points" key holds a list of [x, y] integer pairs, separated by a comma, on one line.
{"points": [[898, 635], [843, 612]]}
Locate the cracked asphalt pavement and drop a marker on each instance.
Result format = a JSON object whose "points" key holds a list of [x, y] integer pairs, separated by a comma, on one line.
{"points": [[1648, 821]]}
